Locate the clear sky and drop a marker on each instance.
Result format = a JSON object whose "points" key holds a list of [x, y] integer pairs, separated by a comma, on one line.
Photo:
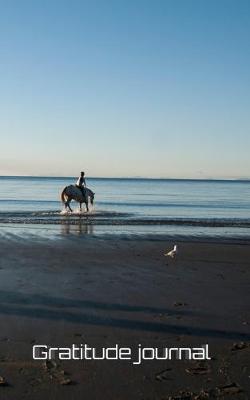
{"points": [[125, 88]]}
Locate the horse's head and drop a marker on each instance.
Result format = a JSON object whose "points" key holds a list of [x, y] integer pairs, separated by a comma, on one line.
{"points": [[92, 196]]}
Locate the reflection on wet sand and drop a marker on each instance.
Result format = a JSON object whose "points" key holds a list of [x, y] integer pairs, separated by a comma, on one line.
{"points": [[81, 228]]}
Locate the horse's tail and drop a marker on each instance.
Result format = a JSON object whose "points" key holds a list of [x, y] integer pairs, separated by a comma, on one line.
{"points": [[63, 195]]}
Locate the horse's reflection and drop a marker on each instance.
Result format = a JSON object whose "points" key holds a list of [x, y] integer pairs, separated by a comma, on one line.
{"points": [[80, 228]]}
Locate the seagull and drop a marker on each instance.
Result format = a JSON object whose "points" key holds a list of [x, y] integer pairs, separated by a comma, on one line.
{"points": [[172, 253]]}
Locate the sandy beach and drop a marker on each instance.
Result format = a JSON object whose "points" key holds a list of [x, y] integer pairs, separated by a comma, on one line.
{"points": [[107, 291]]}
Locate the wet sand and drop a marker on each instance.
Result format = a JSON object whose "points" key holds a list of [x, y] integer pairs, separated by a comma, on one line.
{"points": [[106, 291]]}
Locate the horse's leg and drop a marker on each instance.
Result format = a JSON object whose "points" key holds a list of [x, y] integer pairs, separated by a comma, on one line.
{"points": [[80, 207], [87, 205], [69, 205], [66, 203]]}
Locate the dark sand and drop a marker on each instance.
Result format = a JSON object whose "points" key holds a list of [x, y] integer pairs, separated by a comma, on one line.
{"points": [[107, 291]]}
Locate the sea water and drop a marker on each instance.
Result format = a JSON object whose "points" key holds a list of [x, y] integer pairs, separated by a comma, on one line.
{"points": [[199, 207]]}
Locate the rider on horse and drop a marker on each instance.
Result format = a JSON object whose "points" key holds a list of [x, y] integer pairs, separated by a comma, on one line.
{"points": [[71, 192], [81, 183]]}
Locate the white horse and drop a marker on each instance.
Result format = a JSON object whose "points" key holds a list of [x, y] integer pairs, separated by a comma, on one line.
{"points": [[72, 192]]}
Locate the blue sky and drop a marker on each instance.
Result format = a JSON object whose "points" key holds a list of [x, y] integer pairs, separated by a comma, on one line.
{"points": [[135, 88]]}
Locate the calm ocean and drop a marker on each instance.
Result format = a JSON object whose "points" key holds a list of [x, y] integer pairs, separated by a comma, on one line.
{"points": [[198, 207]]}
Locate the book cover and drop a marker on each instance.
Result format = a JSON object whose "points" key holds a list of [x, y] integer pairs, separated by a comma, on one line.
{"points": [[124, 200]]}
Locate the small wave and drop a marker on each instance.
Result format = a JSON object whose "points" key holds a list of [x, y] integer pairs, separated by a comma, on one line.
{"points": [[114, 218], [52, 215]]}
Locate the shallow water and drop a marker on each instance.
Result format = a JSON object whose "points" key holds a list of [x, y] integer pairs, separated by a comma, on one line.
{"points": [[134, 205]]}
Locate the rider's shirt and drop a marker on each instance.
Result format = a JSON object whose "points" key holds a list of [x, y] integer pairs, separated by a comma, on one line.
{"points": [[81, 182]]}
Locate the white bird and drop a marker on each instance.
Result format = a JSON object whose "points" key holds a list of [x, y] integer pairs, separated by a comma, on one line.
{"points": [[172, 253]]}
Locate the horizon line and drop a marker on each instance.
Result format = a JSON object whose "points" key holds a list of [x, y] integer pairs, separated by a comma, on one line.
{"points": [[129, 177]]}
